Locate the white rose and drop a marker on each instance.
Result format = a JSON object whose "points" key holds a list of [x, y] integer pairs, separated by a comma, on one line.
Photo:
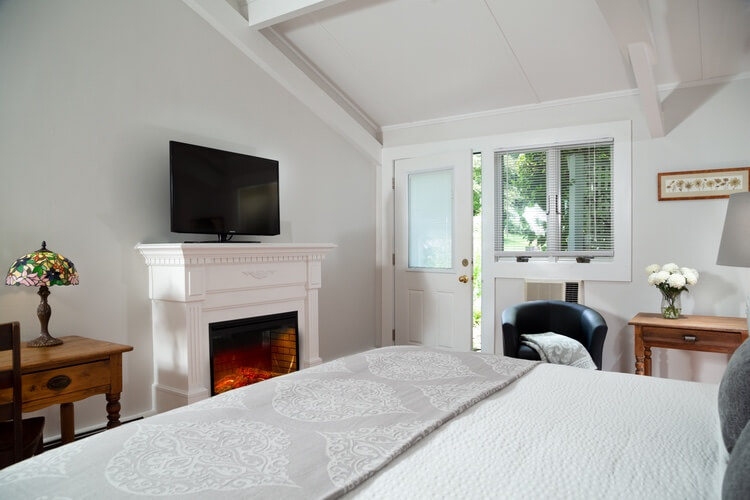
{"points": [[676, 281], [670, 268], [653, 268]]}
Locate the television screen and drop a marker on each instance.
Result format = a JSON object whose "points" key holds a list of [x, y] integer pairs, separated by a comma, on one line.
{"points": [[223, 193]]}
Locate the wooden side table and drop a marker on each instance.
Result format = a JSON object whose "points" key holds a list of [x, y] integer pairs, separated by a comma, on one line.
{"points": [[77, 369], [692, 333]]}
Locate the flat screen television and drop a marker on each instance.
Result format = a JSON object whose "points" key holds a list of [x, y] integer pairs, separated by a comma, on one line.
{"points": [[222, 193]]}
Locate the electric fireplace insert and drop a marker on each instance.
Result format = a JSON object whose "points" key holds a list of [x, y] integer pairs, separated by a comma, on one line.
{"points": [[249, 350]]}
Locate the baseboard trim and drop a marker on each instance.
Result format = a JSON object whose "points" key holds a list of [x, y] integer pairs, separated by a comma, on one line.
{"points": [[57, 442]]}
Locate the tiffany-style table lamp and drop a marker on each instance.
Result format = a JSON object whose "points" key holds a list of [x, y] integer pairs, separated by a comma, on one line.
{"points": [[43, 268]]}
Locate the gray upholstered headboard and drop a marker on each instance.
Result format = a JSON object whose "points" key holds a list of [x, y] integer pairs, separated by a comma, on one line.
{"points": [[734, 414]]}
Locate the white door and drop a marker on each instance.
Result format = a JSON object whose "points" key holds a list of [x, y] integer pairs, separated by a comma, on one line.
{"points": [[433, 240]]}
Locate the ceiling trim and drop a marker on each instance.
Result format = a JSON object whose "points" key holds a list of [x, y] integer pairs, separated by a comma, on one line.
{"points": [[661, 89], [321, 80], [256, 47], [513, 109], [264, 13]]}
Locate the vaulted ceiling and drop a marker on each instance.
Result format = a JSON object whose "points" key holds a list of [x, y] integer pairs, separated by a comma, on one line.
{"points": [[389, 62]]}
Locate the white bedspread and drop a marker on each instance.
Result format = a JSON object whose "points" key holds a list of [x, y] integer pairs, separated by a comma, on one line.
{"points": [[561, 432], [557, 432]]}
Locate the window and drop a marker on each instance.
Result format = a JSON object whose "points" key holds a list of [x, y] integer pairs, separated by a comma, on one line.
{"points": [[555, 201]]}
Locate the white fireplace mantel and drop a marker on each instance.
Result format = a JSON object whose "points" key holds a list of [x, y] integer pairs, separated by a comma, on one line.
{"points": [[192, 285]]}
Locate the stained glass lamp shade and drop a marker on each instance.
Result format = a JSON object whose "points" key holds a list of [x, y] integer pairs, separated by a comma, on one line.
{"points": [[43, 268]]}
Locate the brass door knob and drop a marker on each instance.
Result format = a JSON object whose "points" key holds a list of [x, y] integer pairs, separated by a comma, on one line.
{"points": [[463, 279]]}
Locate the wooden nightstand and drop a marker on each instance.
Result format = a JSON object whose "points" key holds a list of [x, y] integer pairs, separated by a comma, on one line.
{"points": [[693, 333], [75, 370]]}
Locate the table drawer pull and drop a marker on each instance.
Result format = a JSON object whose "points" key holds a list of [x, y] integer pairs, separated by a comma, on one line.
{"points": [[59, 382], [689, 338]]}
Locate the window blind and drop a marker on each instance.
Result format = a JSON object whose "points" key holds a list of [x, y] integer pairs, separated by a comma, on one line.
{"points": [[555, 200]]}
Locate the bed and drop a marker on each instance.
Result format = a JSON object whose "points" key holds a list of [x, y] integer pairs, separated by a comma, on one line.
{"points": [[409, 422]]}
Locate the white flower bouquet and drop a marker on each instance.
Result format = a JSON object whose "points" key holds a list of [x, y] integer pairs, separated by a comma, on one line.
{"points": [[671, 280]]}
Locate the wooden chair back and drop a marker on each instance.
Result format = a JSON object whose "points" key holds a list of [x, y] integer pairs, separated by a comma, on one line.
{"points": [[10, 340]]}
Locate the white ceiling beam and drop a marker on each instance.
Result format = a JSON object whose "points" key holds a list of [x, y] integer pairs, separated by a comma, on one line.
{"points": [[256, 47], [628, 20], [631, 27], [642, 61], [264, 13]]}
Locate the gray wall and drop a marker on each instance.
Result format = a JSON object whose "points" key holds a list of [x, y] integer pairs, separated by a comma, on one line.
{"points": [[90, 94]]}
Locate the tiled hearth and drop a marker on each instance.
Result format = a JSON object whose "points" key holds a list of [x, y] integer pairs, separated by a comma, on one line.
{"points": [[192, 285]]}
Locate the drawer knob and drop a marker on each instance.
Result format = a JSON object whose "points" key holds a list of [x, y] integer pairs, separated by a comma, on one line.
{"points": [[59, 382], [690, 338]]}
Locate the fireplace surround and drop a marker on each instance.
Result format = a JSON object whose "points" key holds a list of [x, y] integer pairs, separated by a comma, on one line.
{"points": [[192, 285]]}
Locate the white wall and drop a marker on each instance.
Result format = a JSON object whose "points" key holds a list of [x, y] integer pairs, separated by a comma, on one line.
{"points": [[90, 94], [707, 128]]}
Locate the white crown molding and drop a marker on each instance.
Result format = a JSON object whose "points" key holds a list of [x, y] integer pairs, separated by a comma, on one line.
{"points": [[662, 89], [181, 254]]}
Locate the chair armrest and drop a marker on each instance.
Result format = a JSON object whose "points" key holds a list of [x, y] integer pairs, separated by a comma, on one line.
{"points": [[510, 332], [595, 331]]}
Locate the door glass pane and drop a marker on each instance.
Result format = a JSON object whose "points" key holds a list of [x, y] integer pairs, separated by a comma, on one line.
{"points": [[431, 219]]}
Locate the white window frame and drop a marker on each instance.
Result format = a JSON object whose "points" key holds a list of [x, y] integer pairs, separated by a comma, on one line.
{"points": [[616, 268], [553, 185]]}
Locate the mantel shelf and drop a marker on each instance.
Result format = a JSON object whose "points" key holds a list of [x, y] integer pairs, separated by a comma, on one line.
{"points": [[199, 253]]}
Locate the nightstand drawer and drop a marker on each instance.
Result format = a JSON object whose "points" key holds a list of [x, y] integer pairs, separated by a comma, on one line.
{"points": [[64, 381], [699, 340]]}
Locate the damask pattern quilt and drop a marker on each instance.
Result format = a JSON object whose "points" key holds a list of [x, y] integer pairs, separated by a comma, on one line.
{"points": [[316, 433]]}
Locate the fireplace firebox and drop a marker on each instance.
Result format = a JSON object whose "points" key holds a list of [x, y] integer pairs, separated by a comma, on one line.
{"points": [[249, 350]]}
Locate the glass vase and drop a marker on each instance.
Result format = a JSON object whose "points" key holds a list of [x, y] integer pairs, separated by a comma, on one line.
{"points": [[671, 305]]}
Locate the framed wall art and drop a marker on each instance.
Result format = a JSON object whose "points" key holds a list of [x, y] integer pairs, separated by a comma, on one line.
{"points": [[703, 184]]}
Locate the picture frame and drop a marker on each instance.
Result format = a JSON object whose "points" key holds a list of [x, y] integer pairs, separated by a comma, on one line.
{"points": [[703, 184]]}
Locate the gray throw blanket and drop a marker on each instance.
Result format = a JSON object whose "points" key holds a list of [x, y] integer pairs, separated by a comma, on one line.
{"points": [[559, 349], [316, 433]]}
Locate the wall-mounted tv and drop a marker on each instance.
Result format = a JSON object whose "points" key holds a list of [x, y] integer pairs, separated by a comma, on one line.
{"points": [[222, 193]]}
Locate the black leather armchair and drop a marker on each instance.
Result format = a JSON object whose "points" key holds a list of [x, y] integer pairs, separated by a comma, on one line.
{"points": [[572, 320]]}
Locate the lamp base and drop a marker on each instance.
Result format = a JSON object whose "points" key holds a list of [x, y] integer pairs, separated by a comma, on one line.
{"points": [[43, 312], [44, 341]]}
